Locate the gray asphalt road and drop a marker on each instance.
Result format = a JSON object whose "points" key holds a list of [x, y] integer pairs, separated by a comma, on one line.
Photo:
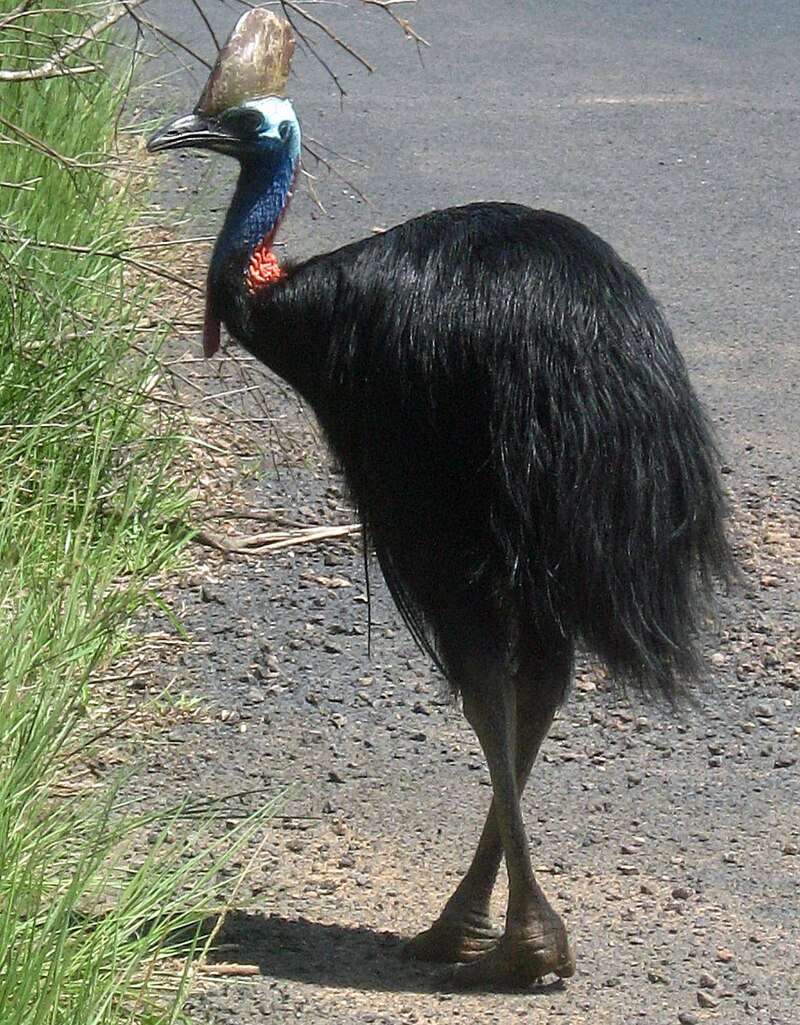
{"points": [[671, 129], [671, 846]]}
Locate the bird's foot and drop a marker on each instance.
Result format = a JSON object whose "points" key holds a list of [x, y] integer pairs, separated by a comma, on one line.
{"points": [[520, 958], [454, 938]]}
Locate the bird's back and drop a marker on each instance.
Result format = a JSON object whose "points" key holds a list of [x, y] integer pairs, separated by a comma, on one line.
{"points": [[510, 410]]}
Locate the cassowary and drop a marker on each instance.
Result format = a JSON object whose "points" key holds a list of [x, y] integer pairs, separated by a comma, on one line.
{"points": [[520, 437]]}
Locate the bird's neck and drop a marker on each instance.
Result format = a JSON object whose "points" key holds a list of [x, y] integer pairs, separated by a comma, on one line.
{"points": [[243, 260]]}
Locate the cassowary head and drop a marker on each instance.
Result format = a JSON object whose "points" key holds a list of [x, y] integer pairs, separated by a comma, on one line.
{"points": [[242, 113], [263, 131]]}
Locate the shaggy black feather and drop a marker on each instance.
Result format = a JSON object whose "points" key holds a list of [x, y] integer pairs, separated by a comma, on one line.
{"points": [[517, 428]]}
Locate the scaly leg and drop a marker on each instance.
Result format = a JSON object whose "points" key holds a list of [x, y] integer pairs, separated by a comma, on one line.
{"points": [[534, 943], [464, 931]]}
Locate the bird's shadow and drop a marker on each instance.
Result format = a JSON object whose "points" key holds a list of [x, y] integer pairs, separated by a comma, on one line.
{"points": [[325, 955], [336, 956]]}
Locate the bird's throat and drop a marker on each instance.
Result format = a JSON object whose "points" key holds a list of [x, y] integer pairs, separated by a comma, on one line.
{"points": [[243, 261]]}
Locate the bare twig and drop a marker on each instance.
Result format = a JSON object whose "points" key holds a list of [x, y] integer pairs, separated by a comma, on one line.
{"points": [[326, 30], [55, 66], [146, 23], [121, 255], [275, 540], [169, 243], [336, 172], [339, 156], [275, 515], [26, 186], [206, 22], [229, 969], [20, 12], [404, 23], [42, 147]]}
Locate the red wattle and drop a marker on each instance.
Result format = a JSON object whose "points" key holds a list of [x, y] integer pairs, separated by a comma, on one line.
{"points": [[263, 268]]}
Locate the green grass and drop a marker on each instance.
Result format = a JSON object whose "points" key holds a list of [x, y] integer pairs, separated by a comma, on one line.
{"points": [[89, 509]]}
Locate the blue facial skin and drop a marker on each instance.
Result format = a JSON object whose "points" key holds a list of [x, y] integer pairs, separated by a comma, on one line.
{"points": [[264, 136]]}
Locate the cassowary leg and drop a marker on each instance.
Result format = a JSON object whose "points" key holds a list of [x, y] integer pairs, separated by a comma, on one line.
{"points": [[534, 943], [464, 930]]}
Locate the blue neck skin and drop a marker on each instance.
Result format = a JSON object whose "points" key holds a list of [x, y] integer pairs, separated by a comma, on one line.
{"points": [[262, 192]]}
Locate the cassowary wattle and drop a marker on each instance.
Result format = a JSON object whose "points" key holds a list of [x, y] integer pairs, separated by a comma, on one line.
{"points": [[520, 436]]}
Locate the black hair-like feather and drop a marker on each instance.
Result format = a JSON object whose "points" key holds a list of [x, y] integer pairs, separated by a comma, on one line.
{"points": [[517, 428]]}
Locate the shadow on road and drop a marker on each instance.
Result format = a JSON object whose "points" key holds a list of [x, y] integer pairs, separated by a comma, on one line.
{"points": [[327, 955]]}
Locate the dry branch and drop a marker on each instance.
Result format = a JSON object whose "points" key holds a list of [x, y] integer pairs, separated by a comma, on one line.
{"points": [[121, 255], [229, 969], [404, 23], [55, 66], [274, 540], [42, 147]]}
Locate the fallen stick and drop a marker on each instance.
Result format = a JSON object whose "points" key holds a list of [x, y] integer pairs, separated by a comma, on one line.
{"points": [[229, 969], [274, 540]]}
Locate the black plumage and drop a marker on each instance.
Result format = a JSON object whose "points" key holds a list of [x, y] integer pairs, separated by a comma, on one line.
{"points": [[516, 426]]}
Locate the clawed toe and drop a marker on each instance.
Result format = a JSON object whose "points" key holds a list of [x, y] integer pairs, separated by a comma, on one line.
{"points": [[517, 962]]}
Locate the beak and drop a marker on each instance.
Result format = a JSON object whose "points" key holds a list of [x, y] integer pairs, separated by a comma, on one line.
{"points": [[191, 130]]}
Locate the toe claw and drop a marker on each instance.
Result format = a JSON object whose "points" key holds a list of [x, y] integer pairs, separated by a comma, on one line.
{"points": [[517, 963], [566, 968]]}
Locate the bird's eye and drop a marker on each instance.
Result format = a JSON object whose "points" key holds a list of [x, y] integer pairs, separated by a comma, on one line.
{"points": [[284, 130], [244, 121]]}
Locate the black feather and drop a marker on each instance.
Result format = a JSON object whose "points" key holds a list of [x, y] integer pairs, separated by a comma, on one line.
{"points": [[517, 428]]}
